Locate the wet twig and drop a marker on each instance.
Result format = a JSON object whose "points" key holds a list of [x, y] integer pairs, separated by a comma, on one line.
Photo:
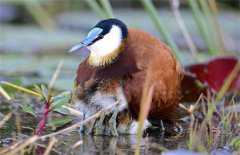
{"points": [[73, 111], [5, 119], [51, 143], [78, 143]]}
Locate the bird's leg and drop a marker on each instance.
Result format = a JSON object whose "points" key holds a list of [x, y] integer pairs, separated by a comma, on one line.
{"points": [[99, 125], [111, 128], [121, 120], [162, 127], [112, 123], [98, 101], [89, 127], [88, 109]]}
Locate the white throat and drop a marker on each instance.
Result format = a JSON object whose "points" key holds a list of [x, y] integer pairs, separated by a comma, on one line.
{"points": [[104, 48]]}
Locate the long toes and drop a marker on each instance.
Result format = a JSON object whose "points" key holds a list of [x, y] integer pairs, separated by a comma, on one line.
{"points": [[111, 128], [89, 127], [99, 125]]}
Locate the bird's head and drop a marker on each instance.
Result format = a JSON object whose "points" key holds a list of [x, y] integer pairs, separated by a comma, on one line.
{"points": [[105, 41]]}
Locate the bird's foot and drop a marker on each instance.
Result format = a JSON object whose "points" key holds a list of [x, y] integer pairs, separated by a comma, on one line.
{"points": [[88, 128], [99, 125], [131, 127], [111, 127]]}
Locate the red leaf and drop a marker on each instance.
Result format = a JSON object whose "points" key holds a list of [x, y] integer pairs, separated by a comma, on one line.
{"points": [[215, 72]]}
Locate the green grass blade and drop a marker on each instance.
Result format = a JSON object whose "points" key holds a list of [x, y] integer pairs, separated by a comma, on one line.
{"points": [[107, 8], [96, 8], [28, 91], [216, 25], [4, 94], [40, 14], [211, 29], [198, 17]]}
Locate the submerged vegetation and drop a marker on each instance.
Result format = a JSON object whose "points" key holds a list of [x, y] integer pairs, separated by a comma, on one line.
{"points": [[36, 114]]}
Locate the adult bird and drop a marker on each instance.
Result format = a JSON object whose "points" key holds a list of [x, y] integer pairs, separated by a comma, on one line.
{"points": [[120, 60]]}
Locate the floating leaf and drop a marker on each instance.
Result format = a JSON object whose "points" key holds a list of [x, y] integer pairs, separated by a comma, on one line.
{"points": [[215, 72], [210, 75]]}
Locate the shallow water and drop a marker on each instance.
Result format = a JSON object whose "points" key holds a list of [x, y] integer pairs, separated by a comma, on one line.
{"points": [[123, 144]]}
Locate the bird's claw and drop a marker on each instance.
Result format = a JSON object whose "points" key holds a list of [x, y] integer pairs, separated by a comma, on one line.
{"points": [[89, 127], [111, 127], [99, 125]]}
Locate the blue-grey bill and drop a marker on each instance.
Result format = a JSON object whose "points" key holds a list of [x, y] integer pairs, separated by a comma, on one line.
{"points": [[76, 48], [92, 35]]}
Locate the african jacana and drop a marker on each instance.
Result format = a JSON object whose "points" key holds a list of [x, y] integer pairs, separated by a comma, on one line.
{"points": [[120, 58]]}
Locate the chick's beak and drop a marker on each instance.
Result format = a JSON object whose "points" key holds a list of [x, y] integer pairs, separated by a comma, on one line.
{"points": [[91, 37]]}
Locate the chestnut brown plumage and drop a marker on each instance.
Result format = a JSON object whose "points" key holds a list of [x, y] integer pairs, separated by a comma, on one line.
{"points": [[140, 53]]}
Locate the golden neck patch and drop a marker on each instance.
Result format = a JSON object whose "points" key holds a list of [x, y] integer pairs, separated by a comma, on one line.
{"points": [[101, 61]]}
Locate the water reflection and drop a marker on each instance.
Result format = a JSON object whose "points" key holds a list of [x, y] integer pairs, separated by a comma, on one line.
{"points": [[124, 145]]}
